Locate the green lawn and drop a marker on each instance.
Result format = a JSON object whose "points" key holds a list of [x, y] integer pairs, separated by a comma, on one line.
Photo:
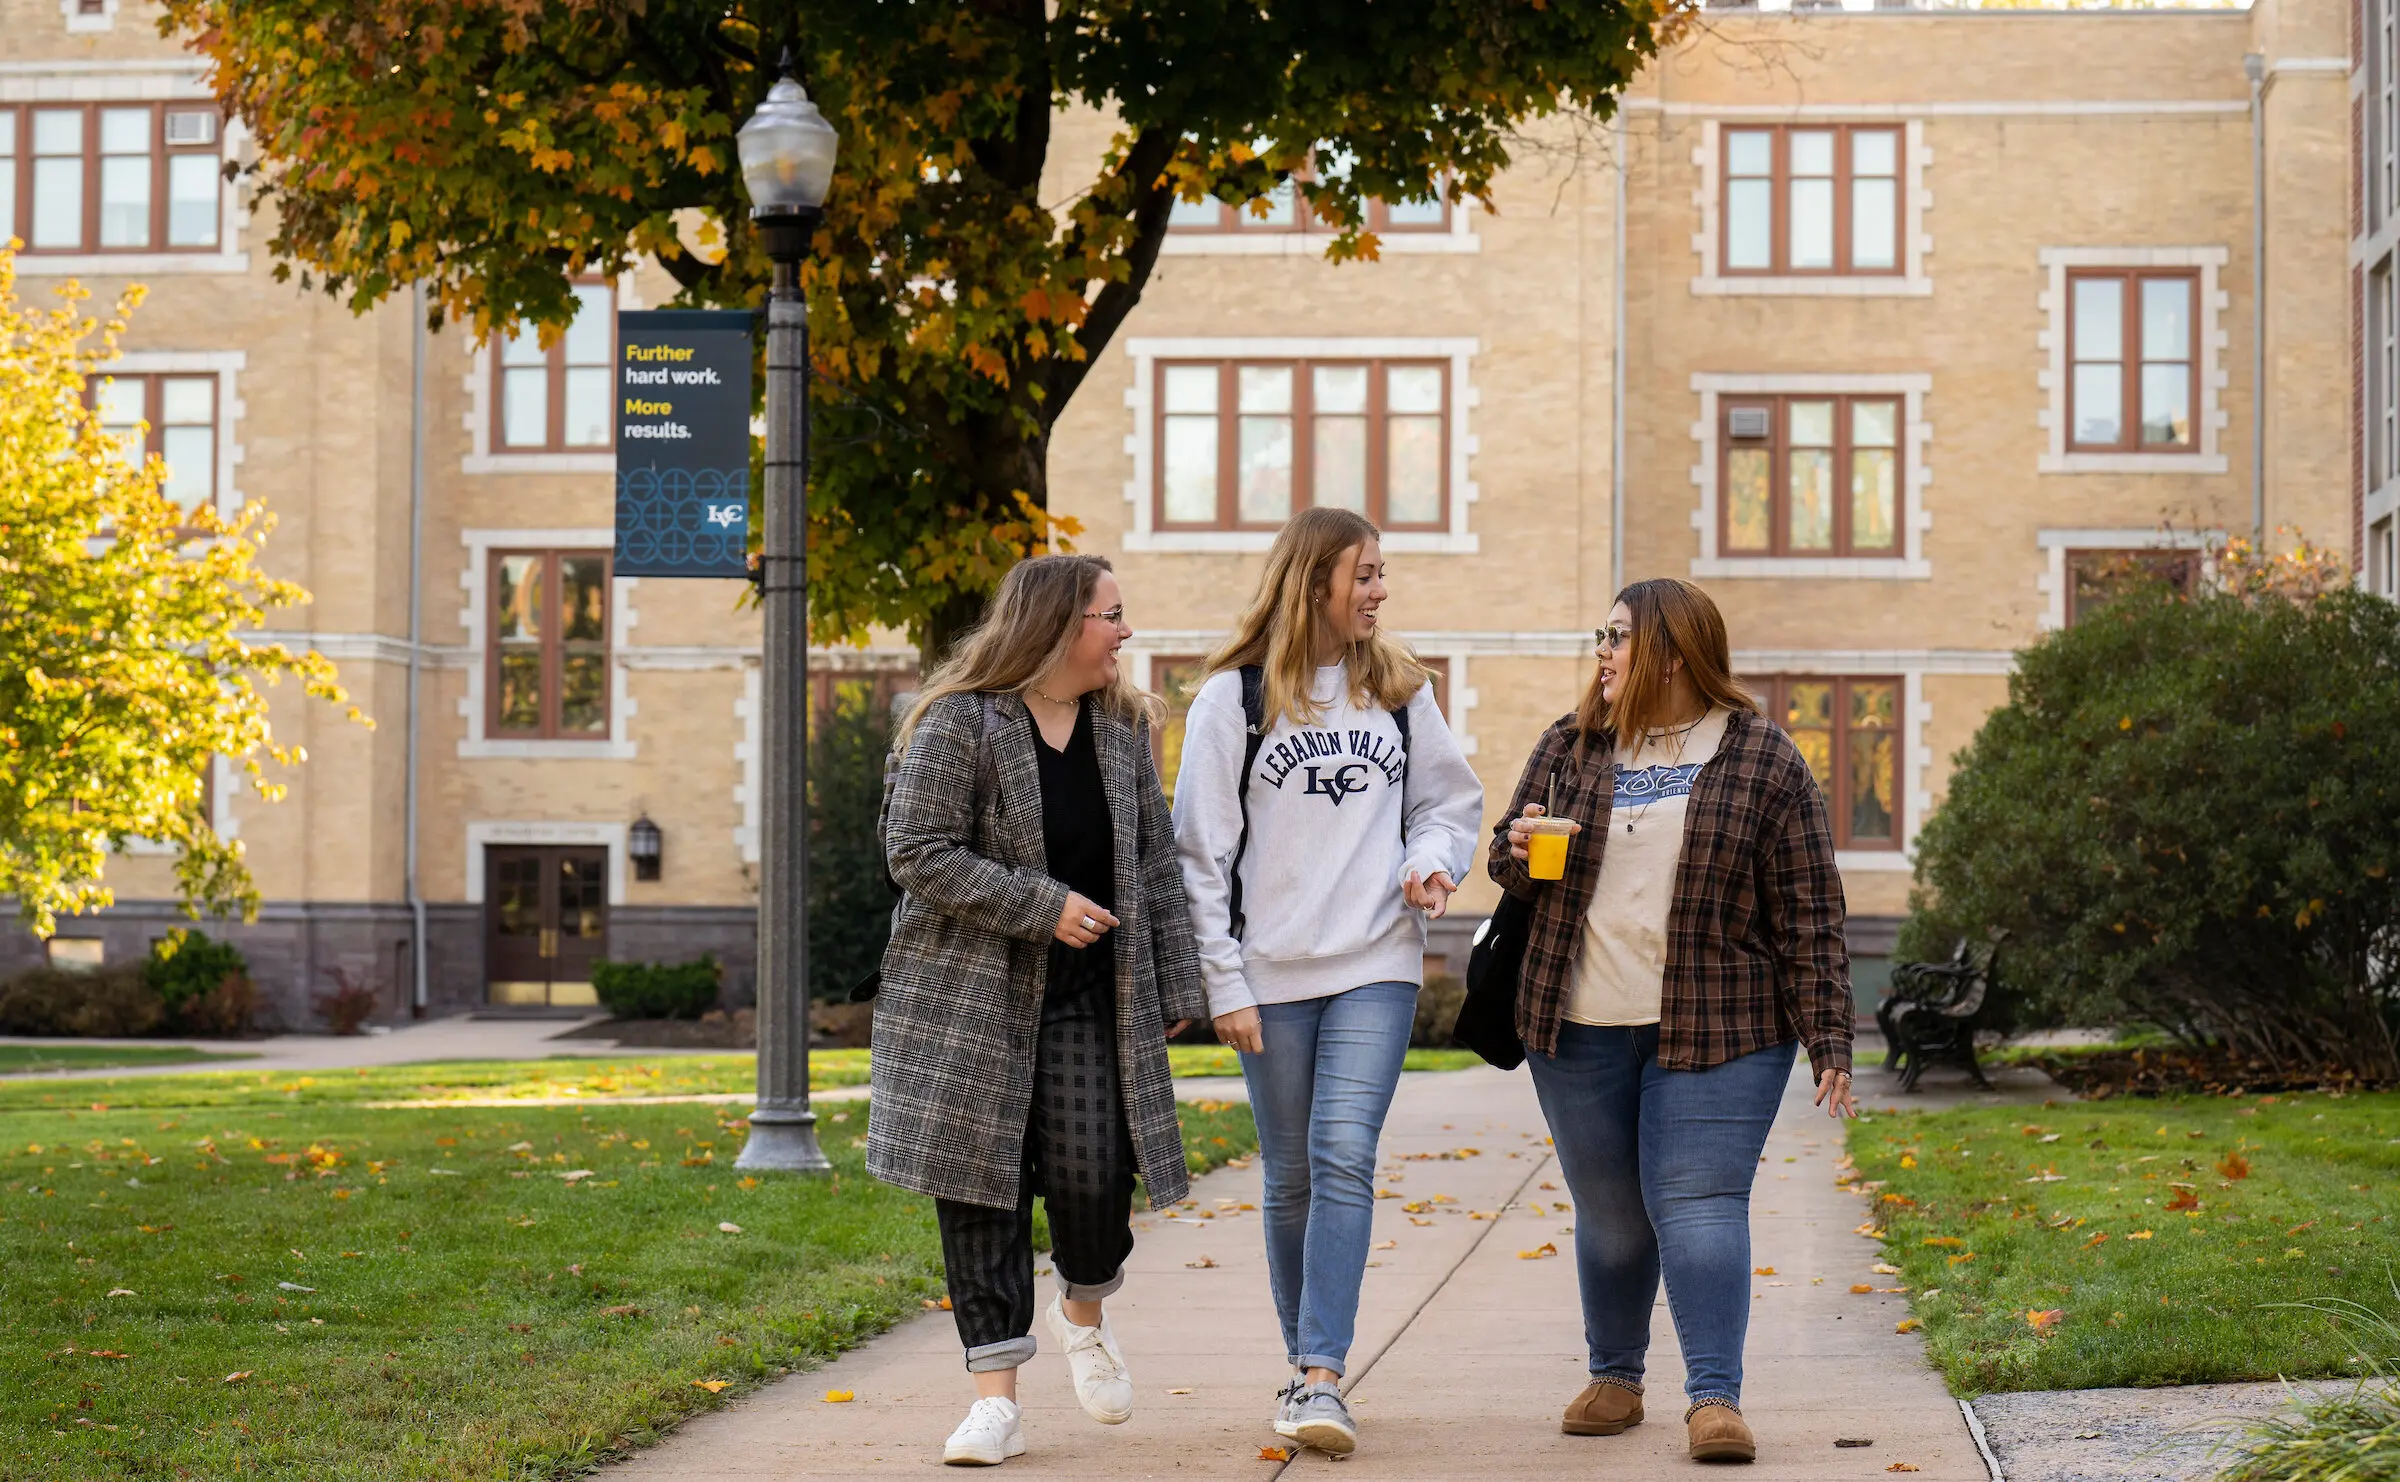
{"points": [[68, 1055], [283, 1282], [2161, 1234]]}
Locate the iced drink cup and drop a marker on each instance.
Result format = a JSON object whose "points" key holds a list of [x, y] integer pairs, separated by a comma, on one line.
{"points": [[1546, 850]]}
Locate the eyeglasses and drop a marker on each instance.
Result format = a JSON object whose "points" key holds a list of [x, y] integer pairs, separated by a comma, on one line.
{"points": [[1114, 617], [1612, 637]]}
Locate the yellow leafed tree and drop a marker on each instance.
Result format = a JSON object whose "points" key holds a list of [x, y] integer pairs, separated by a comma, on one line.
{"points": [[124, 669]]}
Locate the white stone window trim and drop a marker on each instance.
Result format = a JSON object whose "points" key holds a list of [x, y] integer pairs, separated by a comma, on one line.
{"points": [[2057, 544], [1916, 713], [79, 24], [133, 82], [1459, 237], [1912, 281], [749, 758], [479, 384], [2053, 379], [483, 832], [1915, 436], [223, 778], [1452, 649], [475, 617], [1141, 491], [226, 366]]}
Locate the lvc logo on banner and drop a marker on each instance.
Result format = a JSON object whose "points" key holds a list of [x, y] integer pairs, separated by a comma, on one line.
{"points": [[683, 442]]}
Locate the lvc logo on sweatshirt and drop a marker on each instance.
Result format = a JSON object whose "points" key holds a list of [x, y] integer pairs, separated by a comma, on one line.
{"points": [[1312, 754]]}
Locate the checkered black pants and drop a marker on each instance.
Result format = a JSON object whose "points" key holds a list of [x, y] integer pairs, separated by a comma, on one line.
{"points": [[1079, 1158]]}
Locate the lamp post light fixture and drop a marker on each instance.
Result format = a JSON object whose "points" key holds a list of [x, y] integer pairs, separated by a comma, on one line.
{"points": [[787, 165], [644, 845]]}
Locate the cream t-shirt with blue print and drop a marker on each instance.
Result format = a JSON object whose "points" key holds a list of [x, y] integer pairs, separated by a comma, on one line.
{"points": [[1621, 963]]}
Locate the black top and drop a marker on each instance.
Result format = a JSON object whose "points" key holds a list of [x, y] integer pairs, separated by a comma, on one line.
{"points": [[1080, 845]]}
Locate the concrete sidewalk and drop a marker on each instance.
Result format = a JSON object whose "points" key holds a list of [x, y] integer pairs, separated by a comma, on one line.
{"points": [[462, 1037], [1466, 1350]]}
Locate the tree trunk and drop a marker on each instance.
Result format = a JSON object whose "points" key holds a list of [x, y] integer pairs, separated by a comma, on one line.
{"points": [[1011, 461]]}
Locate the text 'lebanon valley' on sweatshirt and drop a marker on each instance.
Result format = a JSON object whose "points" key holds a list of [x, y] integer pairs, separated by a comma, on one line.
{"points": [[1337, 822]]}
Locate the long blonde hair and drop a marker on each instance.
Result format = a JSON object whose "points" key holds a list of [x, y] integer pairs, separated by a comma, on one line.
{"points": [[1278, 630], [1672, 619], [1032, 621]]}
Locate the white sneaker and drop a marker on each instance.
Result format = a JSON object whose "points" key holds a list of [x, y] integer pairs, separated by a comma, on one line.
{"points": [[1102, 1386], [993, 1431]]}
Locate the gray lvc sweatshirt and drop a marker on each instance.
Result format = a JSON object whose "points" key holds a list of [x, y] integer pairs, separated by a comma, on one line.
{"points": [[1334, 830]]}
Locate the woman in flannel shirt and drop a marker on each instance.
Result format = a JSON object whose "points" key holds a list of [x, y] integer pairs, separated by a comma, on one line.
{"points": [[1694, 943]]}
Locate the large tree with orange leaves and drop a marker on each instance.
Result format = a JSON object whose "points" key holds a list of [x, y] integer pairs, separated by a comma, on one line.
{"points": [[493, 149]]}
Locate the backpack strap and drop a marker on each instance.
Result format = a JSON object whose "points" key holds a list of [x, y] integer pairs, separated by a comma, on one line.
{"points": [[1254, 729]]}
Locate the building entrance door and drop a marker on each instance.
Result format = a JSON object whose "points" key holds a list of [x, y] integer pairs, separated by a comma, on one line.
{"points": [[545, 922]]}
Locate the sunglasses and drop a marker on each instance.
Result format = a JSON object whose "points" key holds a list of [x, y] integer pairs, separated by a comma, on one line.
{"points": [[1612, 637]]}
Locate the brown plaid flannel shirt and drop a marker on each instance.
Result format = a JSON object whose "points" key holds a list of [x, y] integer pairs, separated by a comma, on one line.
{"points": [[1755, 953]]}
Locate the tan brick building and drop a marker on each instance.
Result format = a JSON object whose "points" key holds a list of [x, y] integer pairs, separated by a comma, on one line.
{"points": [[1892, 322]]}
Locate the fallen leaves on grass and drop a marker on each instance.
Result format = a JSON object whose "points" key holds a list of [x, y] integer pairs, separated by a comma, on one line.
{"points": [[2234, 1165], [840, 1396], [293, 1286], [627, 1310], [2186, 1197], [238, 1375], [1906, 1325], [1945, 1241], [123, 1291], [1881, 1268], [2141, 1235], [2045, 1320], [728, 1227]]}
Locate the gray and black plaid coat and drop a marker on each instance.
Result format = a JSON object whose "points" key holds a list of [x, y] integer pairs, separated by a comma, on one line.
{"points": [[960, 1009]]}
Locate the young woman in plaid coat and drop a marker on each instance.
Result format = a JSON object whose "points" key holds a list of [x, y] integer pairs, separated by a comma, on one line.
{"points": [[1694, 942], [1041, 956]]}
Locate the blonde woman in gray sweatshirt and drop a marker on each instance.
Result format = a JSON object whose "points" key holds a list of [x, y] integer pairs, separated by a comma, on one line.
{"points": [[1323, 812]]}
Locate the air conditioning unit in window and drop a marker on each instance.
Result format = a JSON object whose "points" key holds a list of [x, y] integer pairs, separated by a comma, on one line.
{"points": [[1747, 422], [191, 128]]}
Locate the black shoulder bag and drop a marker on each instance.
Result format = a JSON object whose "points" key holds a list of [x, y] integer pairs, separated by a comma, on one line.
{"points": [[1487, 1021]]}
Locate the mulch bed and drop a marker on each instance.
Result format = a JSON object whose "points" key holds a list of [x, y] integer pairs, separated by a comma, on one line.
{"points": [[2100, 1074]]}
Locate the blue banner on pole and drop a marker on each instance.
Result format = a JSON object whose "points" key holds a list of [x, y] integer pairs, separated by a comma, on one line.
{"points": [[683, 442]]}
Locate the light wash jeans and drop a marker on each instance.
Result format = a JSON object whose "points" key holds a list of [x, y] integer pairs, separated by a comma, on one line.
{"points": [[1660, 1163], [1319, 1091]]}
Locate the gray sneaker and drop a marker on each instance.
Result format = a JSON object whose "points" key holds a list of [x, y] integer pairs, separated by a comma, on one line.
{"points": [[1287, 1407], [1322, 1420]]}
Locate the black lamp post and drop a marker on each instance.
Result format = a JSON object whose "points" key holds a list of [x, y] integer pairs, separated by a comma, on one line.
{"points": [[787, 165]]}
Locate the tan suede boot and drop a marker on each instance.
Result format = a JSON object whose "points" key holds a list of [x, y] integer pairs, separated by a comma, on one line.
{"points": [[1602, 1410], [1720, 1434]]}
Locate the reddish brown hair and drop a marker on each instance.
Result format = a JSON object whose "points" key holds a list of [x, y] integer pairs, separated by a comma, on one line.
{"points": [[1671, 620]]}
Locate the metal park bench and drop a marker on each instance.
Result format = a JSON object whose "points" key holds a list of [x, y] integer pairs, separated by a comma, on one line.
{"points": [[1934, 1010]]}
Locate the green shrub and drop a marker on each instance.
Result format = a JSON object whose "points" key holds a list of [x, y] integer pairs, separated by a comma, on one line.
{"points": [[646, 990], [2188, 813], [187, 965], [1438, 1003], [849, 907], [111, 1003]]}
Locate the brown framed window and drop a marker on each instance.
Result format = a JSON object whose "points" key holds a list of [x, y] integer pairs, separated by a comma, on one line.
{"points": [[1810, 475], [172, 416], [2097, 578], [1816, 198], [1286, 210], [2133, 351], [549, 658], [556, 400], [110, 177], [873, 688], [1849, 730], [1240, 445]]}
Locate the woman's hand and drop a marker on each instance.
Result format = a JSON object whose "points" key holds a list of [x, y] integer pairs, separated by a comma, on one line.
{"points": [[1083, 920], [1431, 895], [1178, 1027], [1520, 838], [1240, 1029], [1836, 1085]]}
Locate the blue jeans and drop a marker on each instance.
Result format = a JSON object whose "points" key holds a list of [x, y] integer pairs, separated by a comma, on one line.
{"points": [[1319, 1091], [1660, 1163]]}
